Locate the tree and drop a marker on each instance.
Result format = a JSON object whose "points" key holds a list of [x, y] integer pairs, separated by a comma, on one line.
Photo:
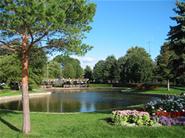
{"points": [[111, 70], [98, 71], [10, 67], [60, 24], [121, 63], [177, 40], [54, 70], [68, 71], [76, 69], [136, 65], [163, 67], [88, 73], [36, 67]]}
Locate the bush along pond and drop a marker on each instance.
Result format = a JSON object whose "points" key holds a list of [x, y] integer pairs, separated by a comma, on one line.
{"points": [[169, 111]]}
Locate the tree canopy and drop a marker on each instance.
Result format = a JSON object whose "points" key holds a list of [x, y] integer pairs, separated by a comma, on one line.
{"points": [[98, 71], [59, 24], [88, 73], [111, 69], [71, 67], [136, 65]]}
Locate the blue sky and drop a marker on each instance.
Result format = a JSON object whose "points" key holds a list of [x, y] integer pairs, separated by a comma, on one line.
{"points": [[121, 24]]}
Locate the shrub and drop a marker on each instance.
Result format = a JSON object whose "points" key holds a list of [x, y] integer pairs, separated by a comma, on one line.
{"points": [[169, 104], [132, 118]]}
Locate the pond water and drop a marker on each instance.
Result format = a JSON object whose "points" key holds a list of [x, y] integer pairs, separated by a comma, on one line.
{"points": [[80, 101]]}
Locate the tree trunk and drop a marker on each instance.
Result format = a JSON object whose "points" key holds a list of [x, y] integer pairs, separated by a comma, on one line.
{"points": [[168, 85], [25, 94]]}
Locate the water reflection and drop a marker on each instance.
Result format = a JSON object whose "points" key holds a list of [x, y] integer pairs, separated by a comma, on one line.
{"points": [[80, 101]]}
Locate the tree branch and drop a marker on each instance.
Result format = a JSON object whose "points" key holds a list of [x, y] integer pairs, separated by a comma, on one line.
{"points": [[7, 46], [36, 40], [54, 45]]}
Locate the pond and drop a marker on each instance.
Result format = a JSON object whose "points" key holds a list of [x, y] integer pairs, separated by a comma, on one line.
{"points": [[81, 101]]}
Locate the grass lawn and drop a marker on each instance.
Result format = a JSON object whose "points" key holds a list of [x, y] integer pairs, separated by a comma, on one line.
{"points": [[172, 91], [79, 125], [8, 92], [99, 85]]}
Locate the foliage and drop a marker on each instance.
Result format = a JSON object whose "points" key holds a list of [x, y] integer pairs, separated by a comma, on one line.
{"points": [[98, 71], [111, 69], [88, 73], [10, 67], [61, 24], [132, 117], [107, 71], [37, 67], [136, 65], [169, 104], [53, 70], [69, 71], [163, 67], [71, 67], [177, 40]]}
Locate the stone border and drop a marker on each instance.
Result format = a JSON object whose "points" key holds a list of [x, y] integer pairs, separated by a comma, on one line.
{"points": [[6, 99]]}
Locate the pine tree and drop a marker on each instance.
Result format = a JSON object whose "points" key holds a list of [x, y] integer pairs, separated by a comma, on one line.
{"points": [[177, 40], [53, 24]]}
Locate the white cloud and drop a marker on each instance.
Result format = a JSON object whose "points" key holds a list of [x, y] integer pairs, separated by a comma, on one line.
{"points": [[85, 60]]}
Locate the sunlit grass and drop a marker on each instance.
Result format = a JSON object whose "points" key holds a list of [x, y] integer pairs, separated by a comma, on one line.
{"points": [[80, 125], [174, 90]]}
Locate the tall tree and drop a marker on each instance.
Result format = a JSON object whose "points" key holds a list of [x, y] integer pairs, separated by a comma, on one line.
{"points": [[163, 67], [77, 71], [53, 70], [98, 71], [111, 70], [88, 73], [60, 24], [122, 68], [137, 65], [177, 40], [69, 71]]}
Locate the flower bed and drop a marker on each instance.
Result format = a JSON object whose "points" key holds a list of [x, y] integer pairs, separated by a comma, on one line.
{"points": [[169, 104], [132, 118], [170, 114], [169, 111], [168, 121]]}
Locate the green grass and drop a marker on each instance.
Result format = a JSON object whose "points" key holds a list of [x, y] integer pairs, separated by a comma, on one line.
{"points": [[8, 92], [80, 125], [99, 85], [172, 91]]}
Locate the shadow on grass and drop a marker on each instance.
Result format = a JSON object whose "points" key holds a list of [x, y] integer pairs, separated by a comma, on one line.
{"points": [[8, 124], [4, 112], [108, 120], [179, 88], [7, 112]]}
